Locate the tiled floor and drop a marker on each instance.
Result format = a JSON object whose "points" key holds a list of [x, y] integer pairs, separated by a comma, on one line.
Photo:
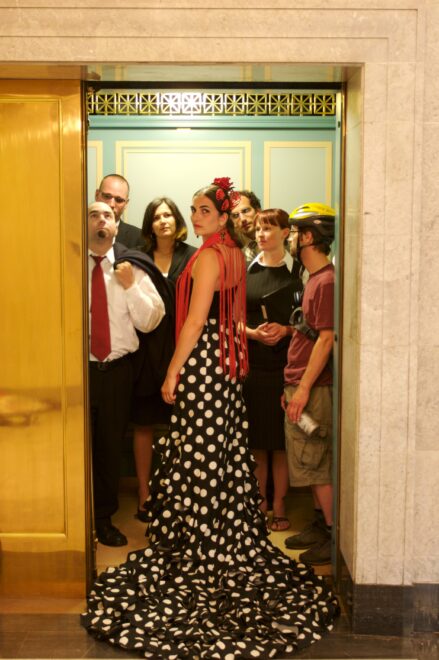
{"points": [[50, 628]]}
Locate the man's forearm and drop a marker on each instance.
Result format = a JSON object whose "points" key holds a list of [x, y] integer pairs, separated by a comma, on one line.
{"points": [[318, 359]]}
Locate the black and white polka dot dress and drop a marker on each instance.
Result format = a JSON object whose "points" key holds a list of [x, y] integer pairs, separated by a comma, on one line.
{"points": [[210, 584]]}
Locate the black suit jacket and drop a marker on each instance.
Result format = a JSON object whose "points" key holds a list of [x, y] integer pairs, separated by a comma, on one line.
{"points": [[129, 235], [182, 254], [156, 347]]}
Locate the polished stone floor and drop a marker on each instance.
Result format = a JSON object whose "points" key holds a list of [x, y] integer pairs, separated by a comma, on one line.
{"points": [[60, 636], [49, 628]]}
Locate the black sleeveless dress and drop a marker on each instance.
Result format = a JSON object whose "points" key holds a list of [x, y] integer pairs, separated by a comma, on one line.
{"points": [[210, 584]]}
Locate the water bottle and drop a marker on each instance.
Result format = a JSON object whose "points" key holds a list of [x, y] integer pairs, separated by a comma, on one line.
{"points": [[307, 424]]}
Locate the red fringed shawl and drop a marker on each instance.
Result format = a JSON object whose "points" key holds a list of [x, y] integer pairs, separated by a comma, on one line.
{"points": [[232, 307]]}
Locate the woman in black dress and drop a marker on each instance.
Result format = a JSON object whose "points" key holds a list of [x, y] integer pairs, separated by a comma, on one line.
{"points": [[210, 584], [164, 231], [268, 346]]}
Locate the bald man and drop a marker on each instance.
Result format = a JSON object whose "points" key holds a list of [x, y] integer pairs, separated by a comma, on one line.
{"points": [[122, 300]]}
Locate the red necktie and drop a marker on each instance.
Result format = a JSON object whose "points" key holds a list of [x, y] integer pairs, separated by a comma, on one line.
{"points": [[100, 344]]}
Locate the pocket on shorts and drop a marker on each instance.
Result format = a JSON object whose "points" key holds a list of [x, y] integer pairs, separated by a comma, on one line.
{"points": [[310, 452]]}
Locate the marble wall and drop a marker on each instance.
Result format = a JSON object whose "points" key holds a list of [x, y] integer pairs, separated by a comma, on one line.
{"points": [[387, 50]]}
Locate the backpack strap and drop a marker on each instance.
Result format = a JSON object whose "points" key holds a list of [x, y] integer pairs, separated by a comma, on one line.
{"points": [[297, 320]]}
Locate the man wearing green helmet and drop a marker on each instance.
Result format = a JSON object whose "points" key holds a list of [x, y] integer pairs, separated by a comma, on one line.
{"points": [[307, 398]]}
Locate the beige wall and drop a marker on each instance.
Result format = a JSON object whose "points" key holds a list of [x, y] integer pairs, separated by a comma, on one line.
{"points": [[390, 452]]}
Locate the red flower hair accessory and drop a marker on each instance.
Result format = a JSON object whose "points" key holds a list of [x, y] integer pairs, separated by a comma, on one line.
{"points": [[220, 194], [223, 182], [225, 205], [235, 198]]}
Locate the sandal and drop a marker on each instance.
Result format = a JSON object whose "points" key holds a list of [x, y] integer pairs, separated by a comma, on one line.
{"points": [[142, 515], [279, 524]]}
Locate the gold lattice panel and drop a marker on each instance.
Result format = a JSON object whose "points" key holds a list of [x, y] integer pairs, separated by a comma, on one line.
{"points": [[211, 104]]}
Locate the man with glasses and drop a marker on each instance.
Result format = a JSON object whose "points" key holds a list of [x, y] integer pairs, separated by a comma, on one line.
{"points": [[114, 190], [243, 216]]}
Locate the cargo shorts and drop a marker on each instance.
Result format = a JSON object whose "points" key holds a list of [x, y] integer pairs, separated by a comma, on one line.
{"points": [[310, 456]]}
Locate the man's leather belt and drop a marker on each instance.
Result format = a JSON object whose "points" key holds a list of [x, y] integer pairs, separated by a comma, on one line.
{"points": [[110, 364]]}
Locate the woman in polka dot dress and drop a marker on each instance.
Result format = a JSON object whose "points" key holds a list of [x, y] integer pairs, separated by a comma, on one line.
{"points": [[210, 584]]}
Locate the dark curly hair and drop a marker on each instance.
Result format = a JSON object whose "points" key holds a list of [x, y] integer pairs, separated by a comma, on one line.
{"points": [[255, 202], [148, 219]]}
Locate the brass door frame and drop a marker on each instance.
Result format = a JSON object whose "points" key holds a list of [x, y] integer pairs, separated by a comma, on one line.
{"points": [[43, 421]]}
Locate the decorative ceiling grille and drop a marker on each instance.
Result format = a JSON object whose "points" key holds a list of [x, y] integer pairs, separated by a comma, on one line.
{"points": [[210, 104]]}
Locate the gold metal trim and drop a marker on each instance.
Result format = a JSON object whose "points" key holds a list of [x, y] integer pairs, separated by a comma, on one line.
{"points": [[213, 104]]}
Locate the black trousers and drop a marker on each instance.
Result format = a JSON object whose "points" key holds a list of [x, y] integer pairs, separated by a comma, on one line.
{"points": [[110, 400]]}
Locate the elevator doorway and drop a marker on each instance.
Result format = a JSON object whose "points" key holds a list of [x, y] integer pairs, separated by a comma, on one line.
{"points": [[160, 141]]}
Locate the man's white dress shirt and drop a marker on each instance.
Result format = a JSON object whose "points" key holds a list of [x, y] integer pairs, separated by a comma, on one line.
{"points": [[139, 307]]}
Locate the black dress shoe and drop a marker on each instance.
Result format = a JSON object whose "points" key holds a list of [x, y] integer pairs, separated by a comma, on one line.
{"points": [[108, 534]]}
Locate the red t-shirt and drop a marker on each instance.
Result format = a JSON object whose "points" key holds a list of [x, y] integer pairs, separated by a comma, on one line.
{"points": [[318, 310]]}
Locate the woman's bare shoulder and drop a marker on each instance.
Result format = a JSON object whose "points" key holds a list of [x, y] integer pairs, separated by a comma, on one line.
{"points": [[207, 258]]}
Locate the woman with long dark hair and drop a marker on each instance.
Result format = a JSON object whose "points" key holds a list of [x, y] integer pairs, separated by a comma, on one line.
{"points": [[164, 231]]}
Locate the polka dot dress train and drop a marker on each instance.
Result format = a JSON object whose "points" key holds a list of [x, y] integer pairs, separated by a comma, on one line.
{"points": [[210, 584]]}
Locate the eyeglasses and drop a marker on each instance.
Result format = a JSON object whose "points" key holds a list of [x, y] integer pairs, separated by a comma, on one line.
{"points": [[245, 211], [108, 197]]}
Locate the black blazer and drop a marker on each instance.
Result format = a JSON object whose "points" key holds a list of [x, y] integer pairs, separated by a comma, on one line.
{"points": [[151, 360], [129, 235], [182, 254]]}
